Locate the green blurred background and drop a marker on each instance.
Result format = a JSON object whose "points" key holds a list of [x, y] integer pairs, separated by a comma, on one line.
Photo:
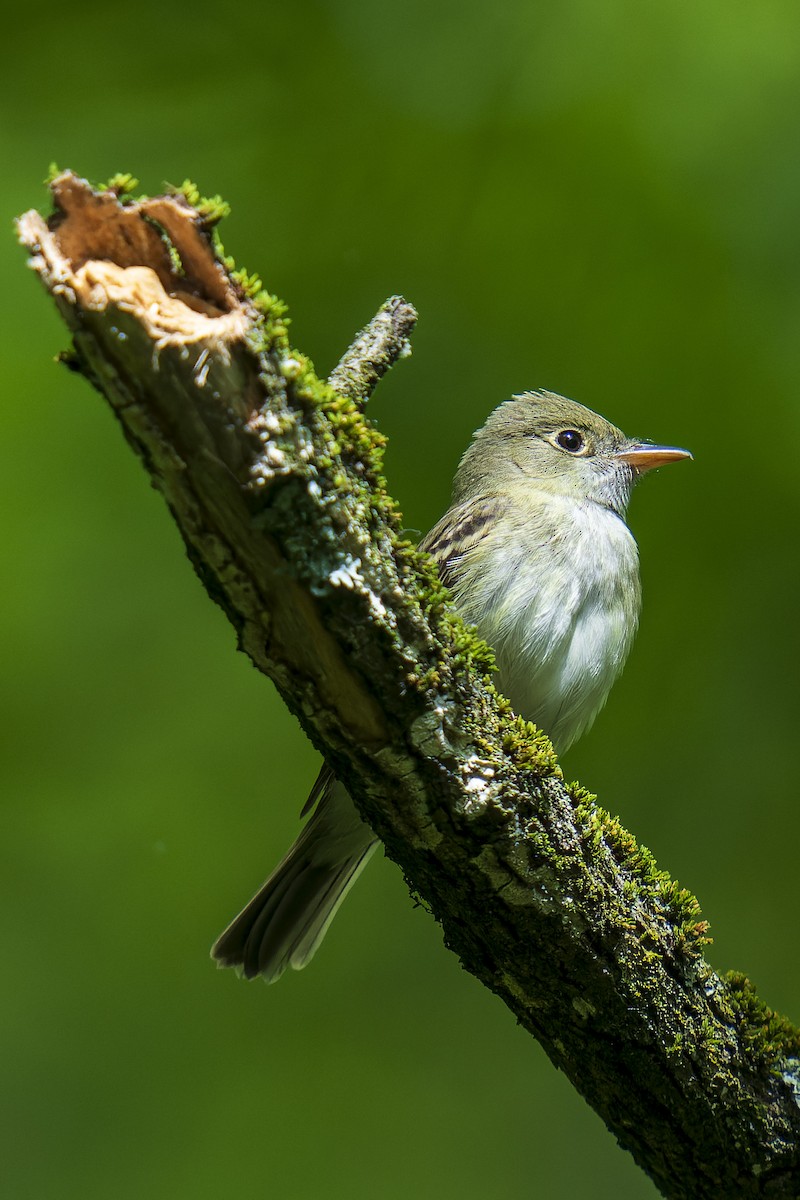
{"points": [[598, 199]]}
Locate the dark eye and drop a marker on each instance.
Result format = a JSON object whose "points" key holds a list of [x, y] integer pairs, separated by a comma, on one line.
{"points": [[570, 439]]}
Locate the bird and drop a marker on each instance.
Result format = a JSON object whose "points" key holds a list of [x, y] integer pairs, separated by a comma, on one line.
{"points": [[537, 556]]}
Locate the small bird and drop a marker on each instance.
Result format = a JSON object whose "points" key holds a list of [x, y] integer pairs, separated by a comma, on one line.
{"points": [[536, 553]]}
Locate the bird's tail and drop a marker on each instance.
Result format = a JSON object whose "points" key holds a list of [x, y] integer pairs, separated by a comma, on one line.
{"points": [[286, 920]]}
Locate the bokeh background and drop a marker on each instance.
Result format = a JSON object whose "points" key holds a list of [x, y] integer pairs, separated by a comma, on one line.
{"points": [[598, 199]]}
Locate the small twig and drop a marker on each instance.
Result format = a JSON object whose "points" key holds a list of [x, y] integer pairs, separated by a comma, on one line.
{"points": [[376, 348]]}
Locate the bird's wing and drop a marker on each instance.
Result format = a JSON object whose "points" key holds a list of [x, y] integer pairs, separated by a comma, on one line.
{"points": [[459, 531]]}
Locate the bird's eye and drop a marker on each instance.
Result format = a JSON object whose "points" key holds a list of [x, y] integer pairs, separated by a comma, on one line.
{"points": [[570, 439]]}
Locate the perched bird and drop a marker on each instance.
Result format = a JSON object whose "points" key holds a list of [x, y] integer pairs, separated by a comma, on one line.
{"points": [[537, 555]]}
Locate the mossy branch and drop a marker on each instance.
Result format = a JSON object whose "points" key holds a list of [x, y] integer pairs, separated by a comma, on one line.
{"points": [[274, 479]]}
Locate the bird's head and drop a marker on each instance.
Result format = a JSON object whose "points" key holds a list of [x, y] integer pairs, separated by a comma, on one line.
{"points": [[551, 444]]}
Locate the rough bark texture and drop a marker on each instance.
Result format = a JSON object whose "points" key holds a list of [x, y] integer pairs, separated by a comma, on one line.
{"points": [[274, 481]]}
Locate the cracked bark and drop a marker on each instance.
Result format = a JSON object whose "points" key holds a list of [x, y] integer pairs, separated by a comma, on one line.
{"points": [[274, 482]]}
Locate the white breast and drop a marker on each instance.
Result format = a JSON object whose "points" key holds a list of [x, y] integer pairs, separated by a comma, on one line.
{"points": [[560, 605]]}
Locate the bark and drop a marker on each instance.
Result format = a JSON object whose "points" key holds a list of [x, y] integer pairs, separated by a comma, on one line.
{"points": [[274, 480]]}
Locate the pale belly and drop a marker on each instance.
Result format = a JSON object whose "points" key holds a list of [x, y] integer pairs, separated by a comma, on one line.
{"points": [[561, 614]]}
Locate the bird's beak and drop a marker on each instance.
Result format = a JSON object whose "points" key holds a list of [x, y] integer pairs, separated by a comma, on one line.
{"points": [[643, 456]]}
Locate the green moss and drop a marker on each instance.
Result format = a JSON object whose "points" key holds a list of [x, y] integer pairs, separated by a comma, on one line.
{"points": [[677, 905], [270, 332], [528, 747], [466, 651], [353, 437], [121, 183], [273, 335], [709, 1034], [210, 209], [677, 1046], [769, 1034]]}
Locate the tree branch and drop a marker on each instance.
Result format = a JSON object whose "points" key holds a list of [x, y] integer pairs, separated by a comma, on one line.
{"points": [[376, 348], [274, 480]]}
